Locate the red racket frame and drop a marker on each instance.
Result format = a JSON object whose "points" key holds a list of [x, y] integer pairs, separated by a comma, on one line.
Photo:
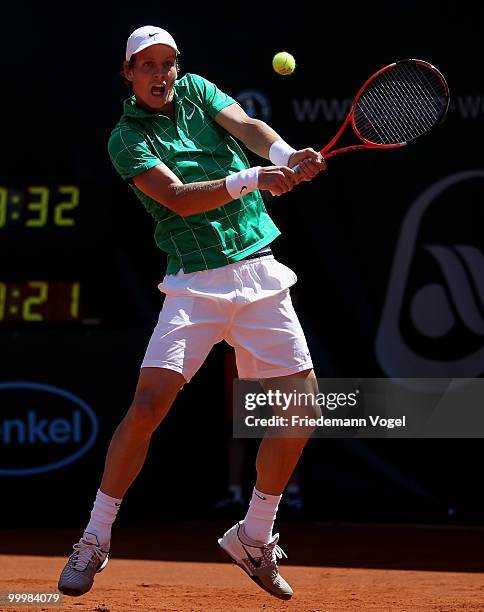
{"points": [[326, 151]]}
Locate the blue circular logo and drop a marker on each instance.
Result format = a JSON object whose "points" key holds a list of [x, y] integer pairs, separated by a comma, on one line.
{"points": [[45, 434]]}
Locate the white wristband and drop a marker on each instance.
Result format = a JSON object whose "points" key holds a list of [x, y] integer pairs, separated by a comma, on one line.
{"points": [[280, 152], [240, 183]]}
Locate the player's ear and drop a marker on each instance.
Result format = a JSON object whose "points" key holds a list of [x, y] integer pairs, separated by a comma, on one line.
{"points": [[128, 71]]}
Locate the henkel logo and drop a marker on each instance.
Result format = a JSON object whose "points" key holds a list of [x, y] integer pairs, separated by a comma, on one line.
{"points": [[432, 324], [42, 428]]}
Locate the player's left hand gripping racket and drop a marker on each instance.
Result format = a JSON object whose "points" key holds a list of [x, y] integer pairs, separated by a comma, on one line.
{"points": [[397, 105]]}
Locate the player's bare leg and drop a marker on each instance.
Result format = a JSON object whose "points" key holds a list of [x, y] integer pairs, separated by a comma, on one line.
{"points": [[250, 543], [278, 454], [156, 390]]}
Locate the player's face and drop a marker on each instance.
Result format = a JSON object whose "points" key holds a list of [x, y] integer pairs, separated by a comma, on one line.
{"points": [[152, 76]]}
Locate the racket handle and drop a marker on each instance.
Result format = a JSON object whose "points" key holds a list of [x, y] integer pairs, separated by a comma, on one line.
{"points": [[297, 166]]}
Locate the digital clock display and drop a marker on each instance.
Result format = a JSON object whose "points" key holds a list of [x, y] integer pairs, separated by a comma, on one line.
{"points": [[38, 206], [38, 301], [63, 258]]}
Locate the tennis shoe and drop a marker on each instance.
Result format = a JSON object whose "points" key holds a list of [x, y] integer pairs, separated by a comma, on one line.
{"points": [[259, 561], [84, 563]]}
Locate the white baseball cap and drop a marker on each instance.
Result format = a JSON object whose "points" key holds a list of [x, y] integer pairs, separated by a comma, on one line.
{"points": [[145, 37]]}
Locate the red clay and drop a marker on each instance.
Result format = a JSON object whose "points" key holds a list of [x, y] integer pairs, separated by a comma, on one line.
{"points": [[172, 585]]}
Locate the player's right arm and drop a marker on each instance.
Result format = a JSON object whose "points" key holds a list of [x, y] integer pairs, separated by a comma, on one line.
{"points": [[162, 185]]}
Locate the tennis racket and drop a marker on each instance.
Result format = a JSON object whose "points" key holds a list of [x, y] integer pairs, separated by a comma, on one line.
{"points": [[397, 105]]}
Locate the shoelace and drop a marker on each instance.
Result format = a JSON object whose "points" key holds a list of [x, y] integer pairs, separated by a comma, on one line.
{"points": [[83, 553], [276, 553]]}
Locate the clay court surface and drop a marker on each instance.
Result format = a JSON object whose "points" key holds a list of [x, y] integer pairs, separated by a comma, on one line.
{"points": [[331, 567]]}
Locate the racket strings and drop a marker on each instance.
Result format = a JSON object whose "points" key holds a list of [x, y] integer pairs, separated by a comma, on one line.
{"points": [[428, 96], [408, 111], [399, 112], [404, 114], [416, 96], [400, 104]]}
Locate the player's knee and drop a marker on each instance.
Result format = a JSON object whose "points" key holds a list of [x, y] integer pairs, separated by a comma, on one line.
{"points": [[306, 426], [147, 411], [314, 410], [306, 404], [311, 408], [304, 418]]}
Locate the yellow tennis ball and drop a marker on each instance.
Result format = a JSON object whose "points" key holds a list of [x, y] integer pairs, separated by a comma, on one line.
{"points": [[283, 63]]}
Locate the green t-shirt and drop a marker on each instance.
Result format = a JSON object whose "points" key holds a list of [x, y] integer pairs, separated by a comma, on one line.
{"points": [[196, 149]]}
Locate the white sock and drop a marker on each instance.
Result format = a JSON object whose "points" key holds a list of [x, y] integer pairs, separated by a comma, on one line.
{"points": [[103, 514], [260, 517]]}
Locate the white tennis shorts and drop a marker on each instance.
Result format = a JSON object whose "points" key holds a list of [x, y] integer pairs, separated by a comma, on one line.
{"points": [[247, 304]]}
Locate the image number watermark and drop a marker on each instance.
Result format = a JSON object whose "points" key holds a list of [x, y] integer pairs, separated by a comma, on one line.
{"points": [[13, 598]]}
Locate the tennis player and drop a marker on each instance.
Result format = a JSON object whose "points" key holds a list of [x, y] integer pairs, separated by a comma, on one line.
{"points": [[177, 146]]}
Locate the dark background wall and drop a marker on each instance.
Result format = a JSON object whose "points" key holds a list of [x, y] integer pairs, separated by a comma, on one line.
{"points": [[345, 235]]}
